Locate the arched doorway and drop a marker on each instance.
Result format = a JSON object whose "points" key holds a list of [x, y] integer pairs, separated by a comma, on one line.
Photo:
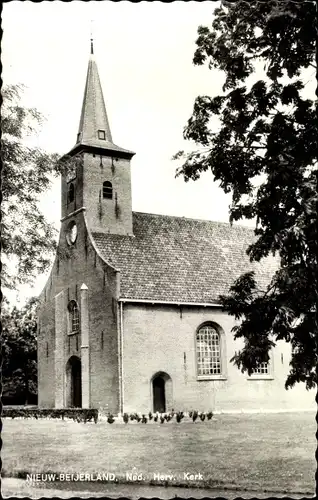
{"points": [[161, 392], [74, 382]]}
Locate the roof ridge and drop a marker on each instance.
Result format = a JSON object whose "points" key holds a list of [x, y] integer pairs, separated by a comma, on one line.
{"points": [[194, 220]]}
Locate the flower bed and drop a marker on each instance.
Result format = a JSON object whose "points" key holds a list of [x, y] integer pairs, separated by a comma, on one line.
{"points": [[161, 418]]}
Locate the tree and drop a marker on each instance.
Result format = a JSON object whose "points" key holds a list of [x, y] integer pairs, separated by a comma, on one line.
{"points": [[265, 154], [28, 241], [19, 353]]}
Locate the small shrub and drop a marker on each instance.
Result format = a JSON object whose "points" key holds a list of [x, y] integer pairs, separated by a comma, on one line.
{"points": [[110, 419], [190, 413], [144, 419], [155, 418], [194, 415], [209, 415], [202, 416], [132, 417], [162, 419], [178, 417], [126, 418], [150, 415], [77, 414]]}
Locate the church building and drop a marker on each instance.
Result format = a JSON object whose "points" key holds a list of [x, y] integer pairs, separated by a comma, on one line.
{"points": [[130, 318]]}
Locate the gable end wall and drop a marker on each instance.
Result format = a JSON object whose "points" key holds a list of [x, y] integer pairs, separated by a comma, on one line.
{"points": [[74, 266]]}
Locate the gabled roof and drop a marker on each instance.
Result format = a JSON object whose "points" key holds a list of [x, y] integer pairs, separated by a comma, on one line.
{"points": [[94, 116], [178, 259]]}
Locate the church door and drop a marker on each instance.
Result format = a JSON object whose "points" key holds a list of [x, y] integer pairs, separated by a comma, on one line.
{"points": [[74, 382], [159, 394], [77, 384]]}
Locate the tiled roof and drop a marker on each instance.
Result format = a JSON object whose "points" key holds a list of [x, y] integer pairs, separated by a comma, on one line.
{"points": [[178, 259]]}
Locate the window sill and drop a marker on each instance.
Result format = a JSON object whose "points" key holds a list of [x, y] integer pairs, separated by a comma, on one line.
{"points": [[72, 333], [260, 377], [211, 377]]}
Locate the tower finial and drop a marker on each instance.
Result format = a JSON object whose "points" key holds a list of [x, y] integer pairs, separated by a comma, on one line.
{"points": [[92, 40]]}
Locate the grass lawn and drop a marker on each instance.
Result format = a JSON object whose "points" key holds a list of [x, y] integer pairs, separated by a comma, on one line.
{"points": [[274, 452]]}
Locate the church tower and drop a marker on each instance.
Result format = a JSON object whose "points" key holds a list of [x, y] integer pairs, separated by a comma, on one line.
{"points": [[101, 182]]}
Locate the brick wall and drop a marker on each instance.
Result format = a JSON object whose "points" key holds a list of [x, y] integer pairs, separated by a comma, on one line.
{"points": [[161, 338], [78, 264], [75, 265], [155, 338], [103, 215], [46, 346]]}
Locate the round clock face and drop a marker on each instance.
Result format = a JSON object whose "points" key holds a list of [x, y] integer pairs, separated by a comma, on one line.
{"points": [[71, 233]]}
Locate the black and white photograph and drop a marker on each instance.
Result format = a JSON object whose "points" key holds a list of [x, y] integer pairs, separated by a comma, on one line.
{"points": [[159, 249]]}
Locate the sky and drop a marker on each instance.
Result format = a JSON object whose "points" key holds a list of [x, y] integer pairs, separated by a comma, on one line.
{"points": [[144, 55]]}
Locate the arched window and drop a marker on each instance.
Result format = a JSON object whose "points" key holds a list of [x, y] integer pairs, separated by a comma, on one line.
{"points": [[107, 190], [208, 348], [71, 192], [73, 317]]}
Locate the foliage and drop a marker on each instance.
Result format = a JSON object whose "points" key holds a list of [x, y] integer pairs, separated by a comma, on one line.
{"points": [[91, 414], [195, 415], [179, 416], [19, 352], [110, 419], [77, 414], [265, 154], [162, 417], [28, 240]]}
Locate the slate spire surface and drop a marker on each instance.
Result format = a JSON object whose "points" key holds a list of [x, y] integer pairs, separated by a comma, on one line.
{"points": [[94, 129], [93, 115]]}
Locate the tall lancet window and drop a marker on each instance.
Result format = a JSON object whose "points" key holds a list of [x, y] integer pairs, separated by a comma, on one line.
{"points": [[71, 192], [74, 321], [107, 190]]}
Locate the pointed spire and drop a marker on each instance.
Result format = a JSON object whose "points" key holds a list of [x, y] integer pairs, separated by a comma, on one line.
{"points": [[94, 129]]}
